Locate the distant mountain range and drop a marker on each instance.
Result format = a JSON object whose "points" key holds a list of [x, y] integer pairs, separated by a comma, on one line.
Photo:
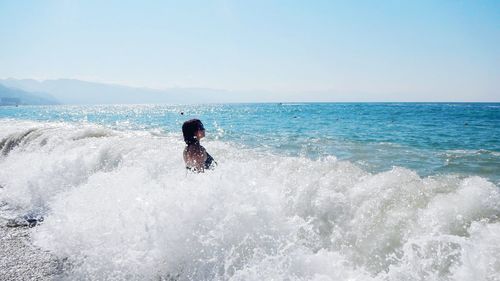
{"points": [[13, 96], [71, 91]]}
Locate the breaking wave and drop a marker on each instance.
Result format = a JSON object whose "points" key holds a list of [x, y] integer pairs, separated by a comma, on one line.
{"points": [[119, 205]]}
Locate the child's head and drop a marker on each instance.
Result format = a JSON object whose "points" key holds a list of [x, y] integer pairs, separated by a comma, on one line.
{"points": [[193, 130]]}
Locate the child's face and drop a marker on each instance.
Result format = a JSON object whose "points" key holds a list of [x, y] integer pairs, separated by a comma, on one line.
{"points": [[200, 133]]}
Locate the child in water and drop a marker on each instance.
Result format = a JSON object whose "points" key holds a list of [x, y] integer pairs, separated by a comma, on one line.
{"points": [[196, 157]]}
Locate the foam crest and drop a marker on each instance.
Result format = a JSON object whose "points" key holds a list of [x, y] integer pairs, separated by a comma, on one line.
{"points": [[119, 205], [49, 159]]}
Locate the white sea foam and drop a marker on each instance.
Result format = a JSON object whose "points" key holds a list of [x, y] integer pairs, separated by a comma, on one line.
{"points": [[120, 206], [462, 153]]}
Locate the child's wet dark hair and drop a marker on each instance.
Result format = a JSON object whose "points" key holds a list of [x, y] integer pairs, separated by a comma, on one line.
{"points": [[189, 129]]}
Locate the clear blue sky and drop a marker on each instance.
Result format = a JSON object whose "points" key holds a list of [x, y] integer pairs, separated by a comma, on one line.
{"points": [[368, 50]]}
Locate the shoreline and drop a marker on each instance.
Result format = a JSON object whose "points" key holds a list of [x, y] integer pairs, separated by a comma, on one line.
{"points": [[21, 260]]}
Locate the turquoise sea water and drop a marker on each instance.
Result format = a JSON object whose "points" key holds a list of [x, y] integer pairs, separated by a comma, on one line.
{"points": [[431, 138]]}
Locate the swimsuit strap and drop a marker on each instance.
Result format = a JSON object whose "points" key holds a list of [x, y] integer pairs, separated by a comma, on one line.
{"points": [[210, 161]]}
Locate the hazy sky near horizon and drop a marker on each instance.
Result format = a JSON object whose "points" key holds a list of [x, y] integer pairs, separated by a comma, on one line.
{"points": [[365, 50]]}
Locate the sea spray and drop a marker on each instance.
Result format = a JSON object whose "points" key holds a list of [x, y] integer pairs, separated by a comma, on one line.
{"points": [[120, 205]]}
